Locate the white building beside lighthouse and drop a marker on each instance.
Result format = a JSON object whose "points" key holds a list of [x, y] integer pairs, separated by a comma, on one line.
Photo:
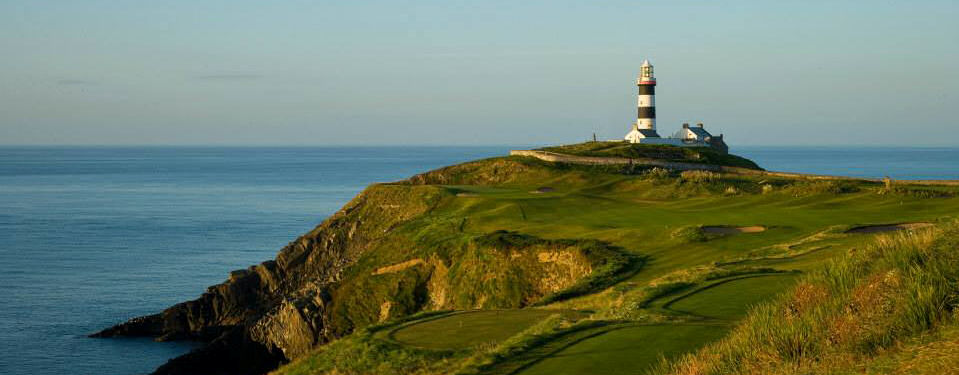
{"points": [[644, 129]]}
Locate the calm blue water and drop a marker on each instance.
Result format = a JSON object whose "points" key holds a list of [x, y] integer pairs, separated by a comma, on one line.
{"points": [[904, 163], [92, 236]]}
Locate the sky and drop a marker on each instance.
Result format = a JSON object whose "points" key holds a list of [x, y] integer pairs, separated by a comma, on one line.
{"points": [[447, 72]]}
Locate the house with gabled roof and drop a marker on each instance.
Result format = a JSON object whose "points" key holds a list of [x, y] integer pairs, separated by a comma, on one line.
{"points": [[644, 129]]}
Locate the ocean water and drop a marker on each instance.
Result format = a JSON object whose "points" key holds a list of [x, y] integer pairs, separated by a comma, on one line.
{"points": [[901, 163], [91, 236]]}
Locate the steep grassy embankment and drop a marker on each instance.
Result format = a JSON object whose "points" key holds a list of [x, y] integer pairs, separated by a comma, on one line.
{"points": [[890, 307]]}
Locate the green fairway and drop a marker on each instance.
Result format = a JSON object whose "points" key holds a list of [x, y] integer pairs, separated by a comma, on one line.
{"points": [[730, 299], [629, 350], [468, 329]]}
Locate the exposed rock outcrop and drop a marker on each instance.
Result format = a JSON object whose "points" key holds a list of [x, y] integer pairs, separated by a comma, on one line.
{"points": [[367, 263], [273, 311]]}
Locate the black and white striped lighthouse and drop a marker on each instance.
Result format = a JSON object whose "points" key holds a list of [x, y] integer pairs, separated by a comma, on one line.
{"points": [[646, 111]]}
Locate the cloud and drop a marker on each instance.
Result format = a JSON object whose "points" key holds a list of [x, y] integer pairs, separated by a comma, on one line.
{"points": [[228, 77]]}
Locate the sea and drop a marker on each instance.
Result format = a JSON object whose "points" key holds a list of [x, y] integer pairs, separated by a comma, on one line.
{"points": [[92, 236]]}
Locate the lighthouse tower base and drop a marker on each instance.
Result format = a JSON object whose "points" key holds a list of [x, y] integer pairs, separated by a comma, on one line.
{"points": [[687, 136], [640, 135]]}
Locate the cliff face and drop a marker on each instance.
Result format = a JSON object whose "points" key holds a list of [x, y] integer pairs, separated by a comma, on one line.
{"points": [[277, 307], [377, 258]]}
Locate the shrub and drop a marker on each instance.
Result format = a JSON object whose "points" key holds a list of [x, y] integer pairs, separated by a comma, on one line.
{"points": [[824, 187], [917, 192], [698, 176], [656, 173], [690, 233]]}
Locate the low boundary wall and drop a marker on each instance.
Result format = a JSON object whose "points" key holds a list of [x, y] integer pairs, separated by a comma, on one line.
{"points": [[683, 166]]}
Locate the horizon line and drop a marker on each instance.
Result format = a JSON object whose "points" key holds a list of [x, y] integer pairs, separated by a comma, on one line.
{"points": [[296, 145]]}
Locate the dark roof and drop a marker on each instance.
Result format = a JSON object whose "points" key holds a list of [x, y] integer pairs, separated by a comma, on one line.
{"points": [[700, 132], [648, 133]]}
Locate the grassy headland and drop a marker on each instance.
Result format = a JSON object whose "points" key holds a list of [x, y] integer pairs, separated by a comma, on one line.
{"points": [[614, 269]]}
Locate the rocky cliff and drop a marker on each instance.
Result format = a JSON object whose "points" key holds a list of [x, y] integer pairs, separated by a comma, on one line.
{"points": [[383, 255]]}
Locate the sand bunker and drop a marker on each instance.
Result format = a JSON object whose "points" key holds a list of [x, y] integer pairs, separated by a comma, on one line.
{"points": [[723, 229], [467, 195], [544, 189], [888, 227], [398, 267]]}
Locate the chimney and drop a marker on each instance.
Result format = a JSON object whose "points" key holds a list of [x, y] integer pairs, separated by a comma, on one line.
{"points": [[699, 124], [685, 125]]}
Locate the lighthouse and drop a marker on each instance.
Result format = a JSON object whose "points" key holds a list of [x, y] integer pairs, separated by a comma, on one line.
{"points": [[646, 108], [645, 126], [644, 129]]}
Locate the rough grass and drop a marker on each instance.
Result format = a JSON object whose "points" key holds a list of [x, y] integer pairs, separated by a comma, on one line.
{"points": [[855, 308], [610, 265], [497, 270], [361, 354], [932, 353], [698, 176]]}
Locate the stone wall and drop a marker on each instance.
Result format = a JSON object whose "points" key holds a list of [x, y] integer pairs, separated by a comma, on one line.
{"points": [[681, 166], [599, 160]]}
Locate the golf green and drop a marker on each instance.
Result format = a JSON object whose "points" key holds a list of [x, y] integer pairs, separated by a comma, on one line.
{"points": [[629, 350], [466, 329], [731, 299]]}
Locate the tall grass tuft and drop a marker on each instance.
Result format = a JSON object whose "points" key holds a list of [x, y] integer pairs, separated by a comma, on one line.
{"points": [[698, 176], [854, 309]]}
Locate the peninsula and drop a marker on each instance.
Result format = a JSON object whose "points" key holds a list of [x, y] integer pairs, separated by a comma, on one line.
{"points": [[602, 257]]}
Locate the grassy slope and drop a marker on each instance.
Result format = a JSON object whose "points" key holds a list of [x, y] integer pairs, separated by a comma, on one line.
{"points": [[888, 308], [463, 330], [638, 214]]}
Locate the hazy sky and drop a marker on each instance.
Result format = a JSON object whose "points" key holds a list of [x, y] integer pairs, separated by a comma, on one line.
{"points": [[471, 72]]}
